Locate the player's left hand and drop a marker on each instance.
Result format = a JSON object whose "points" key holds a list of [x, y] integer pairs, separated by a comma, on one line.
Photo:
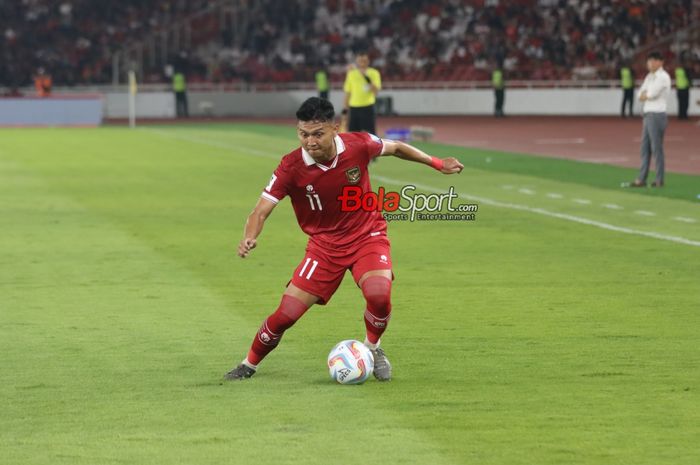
{"points": [[451, 166]]}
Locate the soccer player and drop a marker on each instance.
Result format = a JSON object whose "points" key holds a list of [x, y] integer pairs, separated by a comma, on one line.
{"points": [[313, 176]]}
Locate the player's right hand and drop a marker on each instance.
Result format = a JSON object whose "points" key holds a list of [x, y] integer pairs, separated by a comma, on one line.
{"points": [[245, 246]]}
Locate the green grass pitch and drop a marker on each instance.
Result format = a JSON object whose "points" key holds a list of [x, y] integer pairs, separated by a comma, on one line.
{"points": [[560, 327]]}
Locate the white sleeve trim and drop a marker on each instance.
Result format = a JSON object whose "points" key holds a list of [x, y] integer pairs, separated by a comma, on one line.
{"points": [[269, 197]]}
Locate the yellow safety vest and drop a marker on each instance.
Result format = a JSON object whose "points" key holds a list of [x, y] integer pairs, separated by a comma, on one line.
{"points": [[626, 78], [179, 82], [322, 81], [682, 81], [497, 79]]}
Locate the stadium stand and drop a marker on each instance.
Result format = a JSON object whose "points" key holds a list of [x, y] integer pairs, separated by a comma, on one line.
{"points": [[282, 41]]}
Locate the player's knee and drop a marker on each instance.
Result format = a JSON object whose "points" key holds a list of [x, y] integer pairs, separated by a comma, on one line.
{"points": [[377, 293], [288, 312]]}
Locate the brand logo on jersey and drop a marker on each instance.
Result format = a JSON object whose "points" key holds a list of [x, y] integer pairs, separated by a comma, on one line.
{"points": [[353, 174], [383, 259]]}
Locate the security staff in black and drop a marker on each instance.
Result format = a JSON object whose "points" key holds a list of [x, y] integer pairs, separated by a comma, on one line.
{"points": [[627, 83], [682, 91], [499, 90]]}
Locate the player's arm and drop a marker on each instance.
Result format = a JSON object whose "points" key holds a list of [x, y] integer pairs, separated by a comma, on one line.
{"points": [[254, 226], [408, 152]]}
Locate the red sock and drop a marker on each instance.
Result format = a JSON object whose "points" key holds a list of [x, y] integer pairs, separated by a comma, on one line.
{"points": [[272, 329], [377, 292]]}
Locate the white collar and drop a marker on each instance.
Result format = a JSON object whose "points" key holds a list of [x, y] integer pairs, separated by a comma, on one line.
{"points": [[339, 148]]}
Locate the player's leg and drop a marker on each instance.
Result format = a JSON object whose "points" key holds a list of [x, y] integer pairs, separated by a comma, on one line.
{"points": [[376, 289], [372, 273], [315, 280], [295, 302]]}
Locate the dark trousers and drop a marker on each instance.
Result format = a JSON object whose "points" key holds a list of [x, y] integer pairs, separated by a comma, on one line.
{"points": [[323, 94], [362, 119], [181, 104], [683, 100], [627, 97], [500, 100]]}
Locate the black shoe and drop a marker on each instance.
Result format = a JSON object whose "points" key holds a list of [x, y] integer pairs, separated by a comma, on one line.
{"points": [[242, 371], [382, 367]]}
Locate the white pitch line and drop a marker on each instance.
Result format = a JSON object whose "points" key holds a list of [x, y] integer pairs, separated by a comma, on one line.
{"points": [[554, 195], [542, 211], [507, 187], [212, 143], [644, 213], [484, 200], [582, 201], [526, 191], [612, 206], [685, 219]]}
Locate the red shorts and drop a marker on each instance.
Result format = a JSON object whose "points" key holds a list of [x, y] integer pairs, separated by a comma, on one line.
{"points": [[322, 270]]}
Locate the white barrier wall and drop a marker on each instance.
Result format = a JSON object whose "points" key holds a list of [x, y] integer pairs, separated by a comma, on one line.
{"points": [[435, 102], [406, 102], [148, 105], [73, 110]]}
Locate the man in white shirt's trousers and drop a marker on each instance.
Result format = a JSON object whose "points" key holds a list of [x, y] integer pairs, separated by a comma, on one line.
{"points": [[654, 97]]}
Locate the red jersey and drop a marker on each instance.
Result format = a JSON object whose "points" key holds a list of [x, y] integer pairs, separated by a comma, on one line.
{"points": [[314, 189]]}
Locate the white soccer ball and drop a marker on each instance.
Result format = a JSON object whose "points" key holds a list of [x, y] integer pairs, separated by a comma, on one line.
{"points": [[350, 362]]}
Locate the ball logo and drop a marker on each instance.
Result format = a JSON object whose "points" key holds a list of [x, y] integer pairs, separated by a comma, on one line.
{"points": [[343, 373]]}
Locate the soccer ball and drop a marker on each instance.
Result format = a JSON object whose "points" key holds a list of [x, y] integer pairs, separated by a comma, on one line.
{"points": [[350, 362]]}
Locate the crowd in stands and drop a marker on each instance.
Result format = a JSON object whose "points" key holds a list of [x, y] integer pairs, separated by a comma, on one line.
{"points": [[74, 40], [287, 40]]}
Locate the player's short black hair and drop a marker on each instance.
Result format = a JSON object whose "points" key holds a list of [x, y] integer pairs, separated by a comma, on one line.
{"points": [[655, 55], [316, 109]]}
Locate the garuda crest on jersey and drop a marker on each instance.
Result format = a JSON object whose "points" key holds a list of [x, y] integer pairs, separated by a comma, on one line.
{"points": [[353, 174]]}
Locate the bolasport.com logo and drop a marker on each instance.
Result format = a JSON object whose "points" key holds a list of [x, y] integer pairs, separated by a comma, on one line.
{"points": [[407, 204]]}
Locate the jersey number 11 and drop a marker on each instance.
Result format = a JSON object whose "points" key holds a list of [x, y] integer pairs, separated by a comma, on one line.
{"points": [[315, 197]]}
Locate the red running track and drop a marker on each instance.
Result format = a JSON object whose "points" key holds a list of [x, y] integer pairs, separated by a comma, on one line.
{"points": [[608, 140]]}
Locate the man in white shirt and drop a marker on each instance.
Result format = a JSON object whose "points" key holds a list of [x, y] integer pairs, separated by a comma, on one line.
{"points": [[654, 97]]}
